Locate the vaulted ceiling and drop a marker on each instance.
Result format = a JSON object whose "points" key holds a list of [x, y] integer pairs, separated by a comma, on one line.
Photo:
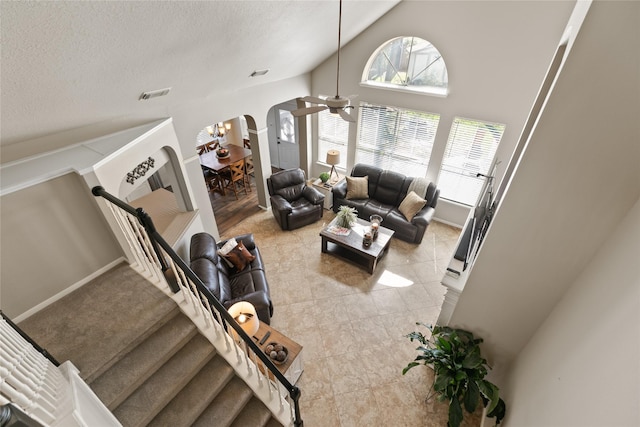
{"points": [[68, 64]]}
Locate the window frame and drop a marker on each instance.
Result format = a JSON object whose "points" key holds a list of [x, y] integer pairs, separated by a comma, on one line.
{"points": [[406, 88], [472, 168]]}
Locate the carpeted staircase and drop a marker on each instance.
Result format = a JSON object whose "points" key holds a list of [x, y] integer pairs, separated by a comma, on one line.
{"points": [[145, 360]]}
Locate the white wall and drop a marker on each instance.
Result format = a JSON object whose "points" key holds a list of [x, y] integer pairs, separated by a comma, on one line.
{"points": [[582, 366], [46, 232], [496, 55], [577, 179]]}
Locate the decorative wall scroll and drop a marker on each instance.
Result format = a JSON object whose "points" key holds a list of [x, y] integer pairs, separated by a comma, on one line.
{"points": [[140, 170]]}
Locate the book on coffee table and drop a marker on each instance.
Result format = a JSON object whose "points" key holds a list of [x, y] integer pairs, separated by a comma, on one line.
{"points": [[340, 231]]}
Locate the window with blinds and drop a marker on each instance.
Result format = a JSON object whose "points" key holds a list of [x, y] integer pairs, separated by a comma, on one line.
{"points": [[333, 134], [470, 150], [396, 139]]}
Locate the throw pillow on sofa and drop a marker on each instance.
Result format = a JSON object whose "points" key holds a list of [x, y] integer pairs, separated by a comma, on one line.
{"points": [[239, 257], [357, 187], [411, 205], [226, 248]]}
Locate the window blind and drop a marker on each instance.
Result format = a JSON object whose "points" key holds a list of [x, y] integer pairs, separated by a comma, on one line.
{"points": [[333, 134], [470, 150], [396, 139]]}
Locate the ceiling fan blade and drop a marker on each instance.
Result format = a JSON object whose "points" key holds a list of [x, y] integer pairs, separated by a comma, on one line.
{"points": [[313, 99], [308, 110], [346, 116]]}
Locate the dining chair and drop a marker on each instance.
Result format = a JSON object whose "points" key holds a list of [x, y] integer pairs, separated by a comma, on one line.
{"points": [[235, 177], [212, 145], [247, 143], [201, 149], [249, 170], [213, 180]]}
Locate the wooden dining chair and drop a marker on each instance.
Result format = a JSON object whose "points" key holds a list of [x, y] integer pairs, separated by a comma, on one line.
{"points": [[236, 177], [201, 149], [249, 170], [212, 145], [246, 143], [213, 180]]}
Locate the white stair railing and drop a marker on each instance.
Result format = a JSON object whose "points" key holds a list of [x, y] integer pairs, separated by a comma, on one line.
{"points": [[47, 393], [153, 263]]}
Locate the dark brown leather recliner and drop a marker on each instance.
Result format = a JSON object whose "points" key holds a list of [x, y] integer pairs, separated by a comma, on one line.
{"points": [[294, 204]]}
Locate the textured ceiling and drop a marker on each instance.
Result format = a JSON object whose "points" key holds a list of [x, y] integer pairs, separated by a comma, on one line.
{"points": [[67, 64]]}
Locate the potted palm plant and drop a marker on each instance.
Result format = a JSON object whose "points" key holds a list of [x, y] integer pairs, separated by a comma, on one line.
{"points": [[459, 371]]}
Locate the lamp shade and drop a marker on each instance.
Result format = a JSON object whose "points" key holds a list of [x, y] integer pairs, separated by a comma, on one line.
{"points": [[245, 314], [333, 157]]}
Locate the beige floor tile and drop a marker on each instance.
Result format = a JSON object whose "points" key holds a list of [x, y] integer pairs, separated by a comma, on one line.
{"points": [[320, 412], [311, 341], [348, 373], [388, 301], [360, 306], [315, 381], [397, 404], [329, 311], [339, 339], [357, 409]]}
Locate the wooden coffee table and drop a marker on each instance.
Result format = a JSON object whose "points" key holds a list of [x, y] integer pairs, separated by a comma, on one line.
{"points": [[350, 247]]}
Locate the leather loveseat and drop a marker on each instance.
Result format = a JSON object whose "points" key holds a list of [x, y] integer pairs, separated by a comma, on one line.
{"points": [[228, 284], [294, 203], [386, 192]]}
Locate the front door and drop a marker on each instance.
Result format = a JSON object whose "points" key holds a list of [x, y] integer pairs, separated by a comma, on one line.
{"points": [[286, 153]]}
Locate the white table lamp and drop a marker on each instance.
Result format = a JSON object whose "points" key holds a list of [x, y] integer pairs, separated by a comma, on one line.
{"points": [[333, 158], [245, 314]]}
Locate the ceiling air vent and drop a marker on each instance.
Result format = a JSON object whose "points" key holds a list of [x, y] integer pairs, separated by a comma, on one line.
{"points": [[154, 93], [259, 72]]}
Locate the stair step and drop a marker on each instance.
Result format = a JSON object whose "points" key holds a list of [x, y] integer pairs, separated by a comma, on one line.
{"points": [[253, 414], [226, 407], [116, 384], [149, 399], [80, 326], [187, 406]]}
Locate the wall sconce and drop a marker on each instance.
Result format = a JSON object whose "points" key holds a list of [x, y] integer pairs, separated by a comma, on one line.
{"points": [[333, 158], [244, 313]]}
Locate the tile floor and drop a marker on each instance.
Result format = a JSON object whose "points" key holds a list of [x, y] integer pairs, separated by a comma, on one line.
{"points": [[352, 324]]}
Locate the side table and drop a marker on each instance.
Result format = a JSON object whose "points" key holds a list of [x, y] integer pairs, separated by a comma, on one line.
{"points": [[293, 367], [326, 190]]}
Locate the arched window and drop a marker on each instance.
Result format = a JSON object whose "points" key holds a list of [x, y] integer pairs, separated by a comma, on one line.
{"points": [[407, 63]]}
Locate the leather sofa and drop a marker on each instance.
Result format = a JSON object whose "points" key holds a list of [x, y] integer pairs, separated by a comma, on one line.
{"points": [[294, 203], [387, 190], [226, 283]]}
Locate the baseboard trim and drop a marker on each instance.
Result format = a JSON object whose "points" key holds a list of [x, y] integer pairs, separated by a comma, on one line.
{"points": [[453, 224], [68, 290]]}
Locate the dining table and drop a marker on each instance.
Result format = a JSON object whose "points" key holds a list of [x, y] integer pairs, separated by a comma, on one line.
{"points": [[210, 160]]}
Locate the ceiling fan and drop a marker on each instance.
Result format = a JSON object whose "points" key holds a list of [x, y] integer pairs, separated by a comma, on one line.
{"points": [[337, 104]]}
